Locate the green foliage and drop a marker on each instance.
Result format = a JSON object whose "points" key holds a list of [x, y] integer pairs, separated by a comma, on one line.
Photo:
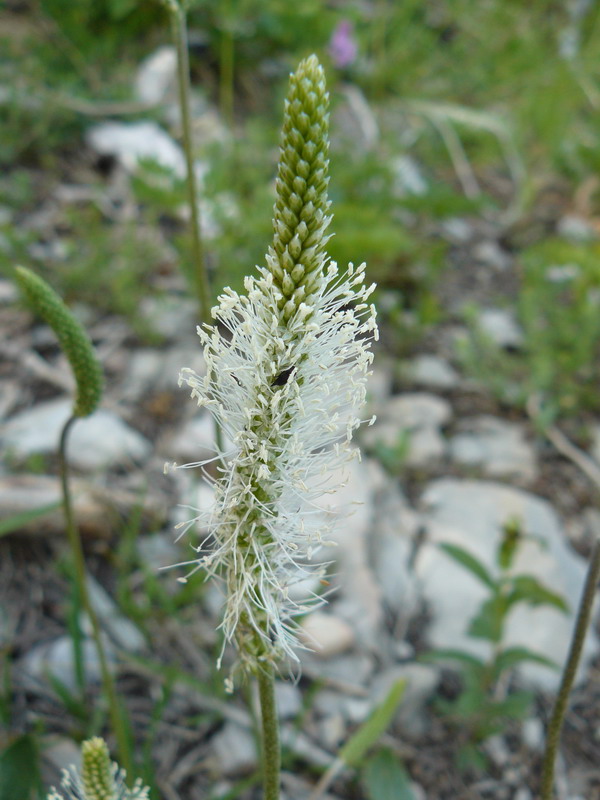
{"points": [[385, 778], [559, 307], [18, 521], [375, 725], [559, 310], [20, 769], [74, 341], [480, 708]]}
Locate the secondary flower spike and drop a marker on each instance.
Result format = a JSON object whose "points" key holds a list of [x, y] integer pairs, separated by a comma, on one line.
{"points": [[285, 379], [100, 779]]}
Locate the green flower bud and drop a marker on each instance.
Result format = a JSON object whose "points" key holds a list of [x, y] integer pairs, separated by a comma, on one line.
{"points": [[301, 206], [97, 774], [73, 340]]}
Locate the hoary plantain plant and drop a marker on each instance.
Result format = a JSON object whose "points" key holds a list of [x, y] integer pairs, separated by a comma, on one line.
{"points": [[287, 364]]}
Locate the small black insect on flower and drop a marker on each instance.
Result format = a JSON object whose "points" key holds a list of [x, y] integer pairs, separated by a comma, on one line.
{"points": [[283, 377]]}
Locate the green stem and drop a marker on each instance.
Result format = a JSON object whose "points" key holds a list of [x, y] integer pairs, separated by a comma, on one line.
{"points": [[584, 614], [226, 67], [178, 24], [271, 752], [81, 584]]}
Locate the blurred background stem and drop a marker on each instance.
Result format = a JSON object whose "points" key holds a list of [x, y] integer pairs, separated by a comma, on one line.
{"points": [[200, 271], [79, 577]]}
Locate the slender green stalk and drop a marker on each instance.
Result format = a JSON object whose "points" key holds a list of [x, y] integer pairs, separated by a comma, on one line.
{"points": [[271, 753], [80, 580], [226, 66], [582, 622], [179, 28], [202, 286]]}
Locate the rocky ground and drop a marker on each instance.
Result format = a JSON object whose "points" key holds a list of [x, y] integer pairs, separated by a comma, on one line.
{"points": [[445, 462]]}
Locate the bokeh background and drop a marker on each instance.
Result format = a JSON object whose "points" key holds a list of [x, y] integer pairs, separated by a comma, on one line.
{"points": [[465, 163]]}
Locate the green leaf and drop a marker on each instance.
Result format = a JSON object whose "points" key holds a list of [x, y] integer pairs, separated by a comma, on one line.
{"points": [[515, 706], [517, 655], [370, 731], [489, 621], [470, 562], [18, 521], [527, 589], [444, 654], [19, 769], [385, 778]]}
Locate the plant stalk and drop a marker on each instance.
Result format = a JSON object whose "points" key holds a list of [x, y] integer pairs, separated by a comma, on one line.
{"points": [[582, 622], [226, 67], [271, 751], [179, 28], [81, 584]]}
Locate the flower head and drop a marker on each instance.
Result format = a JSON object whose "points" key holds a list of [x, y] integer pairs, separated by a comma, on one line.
{"points": [[100, 779], [285, 379]]}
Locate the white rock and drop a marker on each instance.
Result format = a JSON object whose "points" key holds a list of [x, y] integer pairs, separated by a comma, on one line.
{"points": [[332, 731], [354, 668], [99, 441], [326, 634], [132, 142], [8, 292], [532, 730], [351, 510], [418, 410], [501, 327], [457, 230], [471, 514], [426, 447], [392, 540], [289, 700], [491, 254], [195, 441], [56, 658], [523, 793], [497, 750], [407, 177], [433, 372], [379, 385], [121, 630], [576, 228], [497, 447], [235, 749], [414, 418], [156, 76], [157, 550]]}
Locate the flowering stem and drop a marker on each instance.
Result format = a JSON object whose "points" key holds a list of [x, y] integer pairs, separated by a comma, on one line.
{"points": [[271, 753], [179, 28], [82, 591], [584, 614]]}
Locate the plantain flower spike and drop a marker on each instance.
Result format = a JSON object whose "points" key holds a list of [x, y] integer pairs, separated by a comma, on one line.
{"points": [[100, 779], [286, 369], [297, 255], [73, 340]]}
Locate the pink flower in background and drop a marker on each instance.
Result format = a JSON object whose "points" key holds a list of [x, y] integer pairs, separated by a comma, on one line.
{"points": [[342, 45]]}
